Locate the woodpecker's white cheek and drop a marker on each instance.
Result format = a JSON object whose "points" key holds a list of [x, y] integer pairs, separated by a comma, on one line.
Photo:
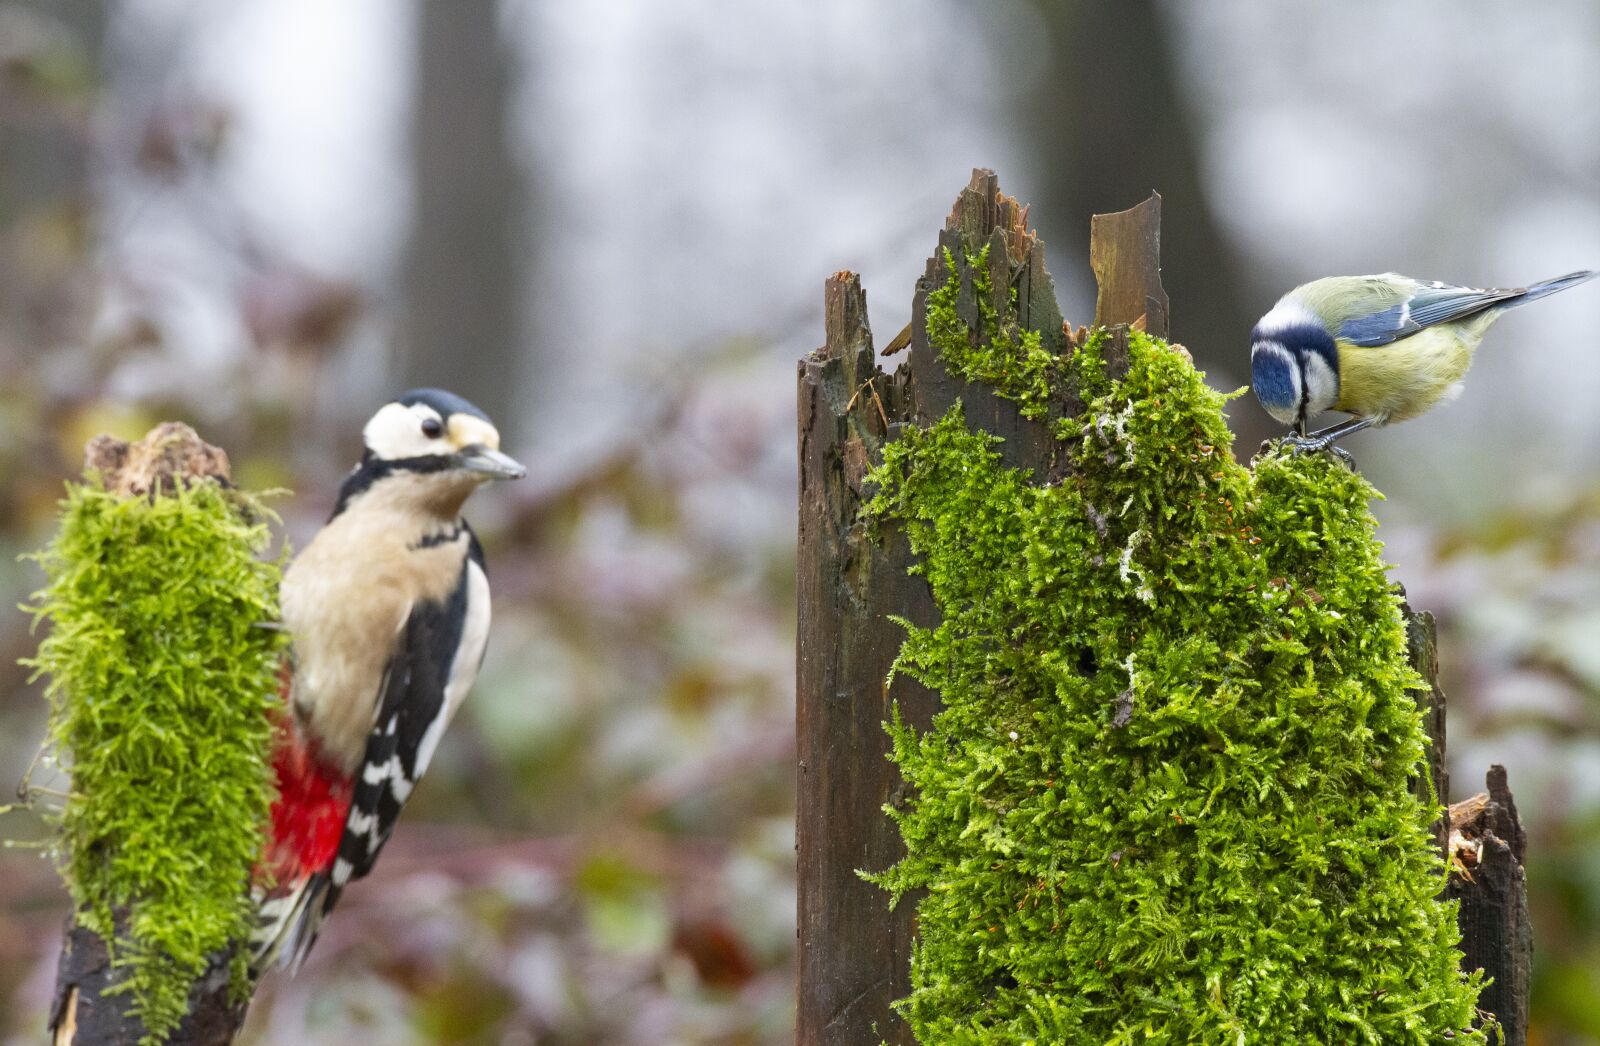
{"points": [[395, 432], [1322, 385]]}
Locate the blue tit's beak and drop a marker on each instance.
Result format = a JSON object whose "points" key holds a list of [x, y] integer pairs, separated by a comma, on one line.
{"points": [[488, 462]]}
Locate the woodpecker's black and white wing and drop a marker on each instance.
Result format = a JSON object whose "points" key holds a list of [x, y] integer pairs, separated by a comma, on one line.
{"points": [[436, 658]]}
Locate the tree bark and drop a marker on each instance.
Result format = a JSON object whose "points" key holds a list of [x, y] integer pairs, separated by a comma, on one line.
{"points": [[855, 956], [1484, 844], [1422, 647], [86, 1013]]}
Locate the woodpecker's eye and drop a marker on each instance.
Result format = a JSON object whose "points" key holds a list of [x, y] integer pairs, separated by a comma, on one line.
{"points": [[432, 428]]}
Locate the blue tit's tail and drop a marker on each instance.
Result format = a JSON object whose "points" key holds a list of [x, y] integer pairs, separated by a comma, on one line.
{"points": [[1545, 288]]}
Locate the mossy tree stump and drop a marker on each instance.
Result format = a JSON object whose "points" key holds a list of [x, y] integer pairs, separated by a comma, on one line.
{"points": [[163, 684], [999, 404]]}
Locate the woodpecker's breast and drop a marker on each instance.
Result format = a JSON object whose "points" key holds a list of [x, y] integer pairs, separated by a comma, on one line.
{"points": [[345, 599]]}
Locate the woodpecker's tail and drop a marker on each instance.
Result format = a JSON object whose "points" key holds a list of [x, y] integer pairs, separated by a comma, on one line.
{"points": [[287, 922], [1545, 288]]}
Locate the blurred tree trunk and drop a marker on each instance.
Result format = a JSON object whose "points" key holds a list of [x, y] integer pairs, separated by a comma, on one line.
{"points": [[50, 76], [51, 53], [1107, 123], [462, 326]]}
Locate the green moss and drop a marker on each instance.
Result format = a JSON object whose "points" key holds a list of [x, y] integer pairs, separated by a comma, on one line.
{"points": [[160, 687], [1168, 797], [998, 351]]}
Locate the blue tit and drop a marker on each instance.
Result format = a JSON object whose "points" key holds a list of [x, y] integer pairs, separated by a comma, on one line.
{"points": [[1380, 348]]}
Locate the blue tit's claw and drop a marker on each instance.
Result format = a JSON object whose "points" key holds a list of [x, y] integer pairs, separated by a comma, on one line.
{"points": [[1297, 444]]}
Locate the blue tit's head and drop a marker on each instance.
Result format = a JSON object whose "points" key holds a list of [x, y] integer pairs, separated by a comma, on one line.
{"points": [[1294, 364]]}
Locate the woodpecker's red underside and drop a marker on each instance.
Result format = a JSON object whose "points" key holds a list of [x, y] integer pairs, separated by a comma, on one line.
{"points": [[309, 814]]}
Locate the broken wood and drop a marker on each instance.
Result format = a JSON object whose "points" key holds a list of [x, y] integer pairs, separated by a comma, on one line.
{"points": [[1484, 845], [1422, 649], [1487, 848], [1125, 254], [87, 1013]]}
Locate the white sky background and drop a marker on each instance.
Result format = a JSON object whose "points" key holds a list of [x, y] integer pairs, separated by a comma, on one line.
{"points": [[701, 167], [718, 159]]}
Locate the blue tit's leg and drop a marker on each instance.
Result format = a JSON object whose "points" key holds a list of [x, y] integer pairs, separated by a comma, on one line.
{"points": [[1319, 441]]}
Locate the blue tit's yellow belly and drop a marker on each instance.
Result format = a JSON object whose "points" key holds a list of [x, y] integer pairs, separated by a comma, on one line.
{"points": [[1404, 378]]}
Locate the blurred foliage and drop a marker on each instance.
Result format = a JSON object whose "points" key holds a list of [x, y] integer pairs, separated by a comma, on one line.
{"points": [[1518, 598]]}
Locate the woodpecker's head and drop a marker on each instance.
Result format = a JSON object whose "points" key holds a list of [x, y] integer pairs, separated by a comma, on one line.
{"points": [[429, 449]]}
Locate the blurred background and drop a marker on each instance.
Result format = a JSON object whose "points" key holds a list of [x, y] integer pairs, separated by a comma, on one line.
{"points": [[609, 225]]}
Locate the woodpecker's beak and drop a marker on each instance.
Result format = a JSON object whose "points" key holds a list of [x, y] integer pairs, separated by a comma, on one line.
{"points": [[491, 463]]}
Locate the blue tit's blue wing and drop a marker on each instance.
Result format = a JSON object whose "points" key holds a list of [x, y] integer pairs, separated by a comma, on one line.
{"points": [[1430, 304]]}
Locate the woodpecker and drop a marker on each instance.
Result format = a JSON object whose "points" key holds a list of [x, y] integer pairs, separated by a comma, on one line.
{"points": [[387, 610]]}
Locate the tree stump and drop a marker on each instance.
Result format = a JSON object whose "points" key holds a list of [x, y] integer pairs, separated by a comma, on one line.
{"points": [[854, 953], [1487, 846]]}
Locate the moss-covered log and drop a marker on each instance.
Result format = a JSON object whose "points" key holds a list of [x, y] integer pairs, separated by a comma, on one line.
{"points": [[1169, 792], [162, 682]]}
